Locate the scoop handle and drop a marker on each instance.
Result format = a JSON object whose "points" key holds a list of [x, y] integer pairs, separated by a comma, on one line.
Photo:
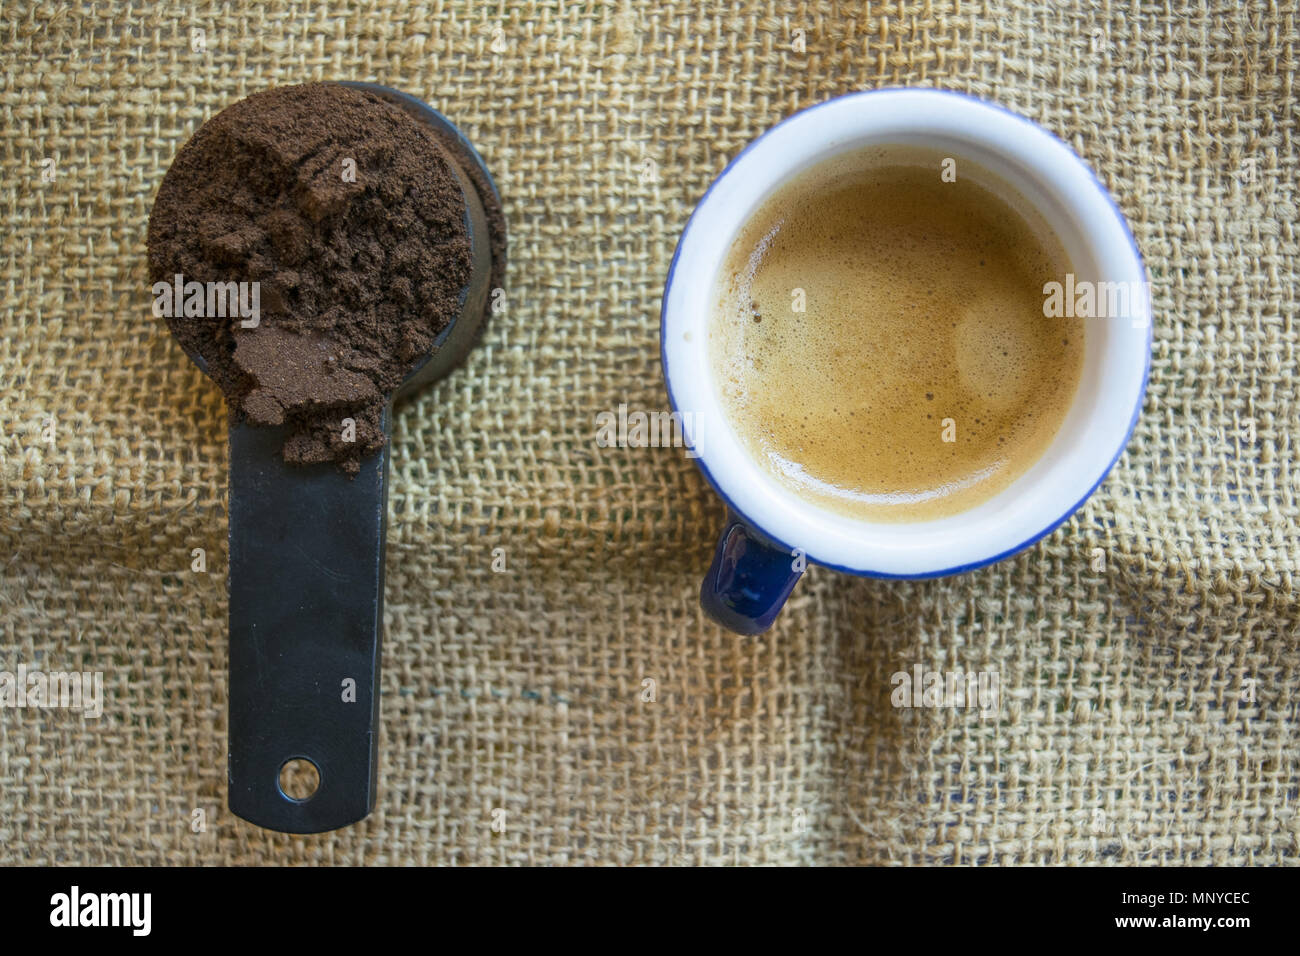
{"points": [[306, 615]]}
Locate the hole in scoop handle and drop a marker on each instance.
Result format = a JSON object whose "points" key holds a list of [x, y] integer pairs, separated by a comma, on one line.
{"points": [[749, 580], [306, 615]]}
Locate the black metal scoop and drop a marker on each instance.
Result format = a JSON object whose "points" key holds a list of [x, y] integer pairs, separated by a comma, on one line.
{"points": [[307, 584]]}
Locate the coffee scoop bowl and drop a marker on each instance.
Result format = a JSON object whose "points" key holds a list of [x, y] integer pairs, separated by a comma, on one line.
{"points": [[306, 578]]}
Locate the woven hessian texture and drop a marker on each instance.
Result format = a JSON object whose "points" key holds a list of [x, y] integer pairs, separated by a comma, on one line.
{"points": [[1148, 709]]}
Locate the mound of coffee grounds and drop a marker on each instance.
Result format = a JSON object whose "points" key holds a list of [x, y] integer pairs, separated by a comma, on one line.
{"points": [[346, 213]]}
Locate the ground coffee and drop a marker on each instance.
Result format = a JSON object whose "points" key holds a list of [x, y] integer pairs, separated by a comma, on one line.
{"points": [[346, 213]]}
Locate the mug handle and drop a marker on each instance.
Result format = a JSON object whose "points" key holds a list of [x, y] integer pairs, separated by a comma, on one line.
{"points": [[749, 579]]}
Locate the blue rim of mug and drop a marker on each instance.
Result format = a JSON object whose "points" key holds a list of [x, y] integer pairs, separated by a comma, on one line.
{"points": [[1146, 371]]}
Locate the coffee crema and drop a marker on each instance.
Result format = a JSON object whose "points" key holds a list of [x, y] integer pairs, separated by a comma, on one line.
{"points": [[878, 338]]}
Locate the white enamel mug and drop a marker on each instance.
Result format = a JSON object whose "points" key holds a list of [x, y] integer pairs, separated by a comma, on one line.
{"points": [[772, 531]]}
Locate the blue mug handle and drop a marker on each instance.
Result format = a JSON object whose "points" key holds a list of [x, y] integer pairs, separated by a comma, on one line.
{"points": [[750, 578]]}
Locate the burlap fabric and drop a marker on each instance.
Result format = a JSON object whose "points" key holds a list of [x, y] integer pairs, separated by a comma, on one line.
{"points": [[1148, 708]]}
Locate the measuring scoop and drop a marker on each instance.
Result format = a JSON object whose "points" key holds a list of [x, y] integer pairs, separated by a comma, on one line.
{"points": [[307, 576]]}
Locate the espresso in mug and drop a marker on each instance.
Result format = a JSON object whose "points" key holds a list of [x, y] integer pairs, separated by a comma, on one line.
{"points": [[879, 340]]}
